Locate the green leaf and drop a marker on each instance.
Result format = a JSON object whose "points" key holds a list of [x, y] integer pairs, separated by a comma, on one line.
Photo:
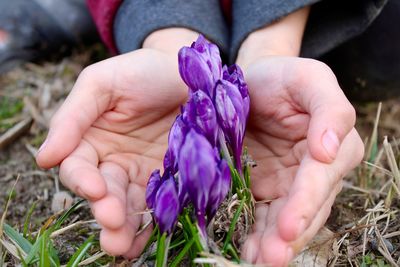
{"points": [[31, 258], [161, 250], [182, 253], [66, 215], [24, 244], [233, 224], [80, 253], [55, 260], [28, 219], [44, 257]]}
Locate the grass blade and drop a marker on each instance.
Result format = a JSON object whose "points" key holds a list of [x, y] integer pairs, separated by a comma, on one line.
{"points": [[32, 256], [44, 257], [66, 215], [28, 219], [182, 253], [3, 217], [80, 253], [233, 224], [161, 250], [24, 244]]}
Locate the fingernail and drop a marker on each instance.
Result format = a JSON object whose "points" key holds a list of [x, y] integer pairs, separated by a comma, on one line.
{"points": [[301, 228], [330, 141], [289, 255], [43, 145]]}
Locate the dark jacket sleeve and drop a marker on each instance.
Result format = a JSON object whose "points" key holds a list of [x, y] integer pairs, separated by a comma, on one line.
{"points": [[136, 19], [331, 22]]}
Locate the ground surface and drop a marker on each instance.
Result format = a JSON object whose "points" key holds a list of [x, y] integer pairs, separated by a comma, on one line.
{"points": [[364, 214]]}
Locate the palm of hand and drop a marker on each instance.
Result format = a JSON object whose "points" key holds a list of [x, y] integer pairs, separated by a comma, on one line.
{"points": [[295, 180], [117, 140]]}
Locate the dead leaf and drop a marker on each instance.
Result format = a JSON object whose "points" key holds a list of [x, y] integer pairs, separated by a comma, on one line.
{"points": [[319, 251]]}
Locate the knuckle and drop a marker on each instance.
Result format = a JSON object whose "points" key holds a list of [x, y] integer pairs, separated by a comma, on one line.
{"points": [[88, 72], [316, 66]]}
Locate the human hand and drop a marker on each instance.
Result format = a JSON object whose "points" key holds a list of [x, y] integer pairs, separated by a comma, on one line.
{"points": [[110, 134], [301, 134]]}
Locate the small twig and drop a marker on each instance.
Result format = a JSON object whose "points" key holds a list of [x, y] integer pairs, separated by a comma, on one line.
{"points": [[69, 227], [135, 213], [144, 227], [14, 132], [392, 161], [35, 112], [392, 234], [31, 149], [92, 259]]}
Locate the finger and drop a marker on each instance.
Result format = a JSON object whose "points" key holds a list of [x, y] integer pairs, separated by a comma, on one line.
{"points": [[313, 185], [251, 247], [275, 251], [110, 211], [86, 102], [120, 241], [318, 222], [117, 241], [332, 115], [80, 174], [140, 240]]}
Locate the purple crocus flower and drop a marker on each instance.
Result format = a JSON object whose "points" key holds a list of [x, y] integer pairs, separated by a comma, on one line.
{"points": [[200, 114], [231, 116], [200, 65], [219, 189], [175, 140], [166, 209], [234, 75], [197, 170], [152, 188]]}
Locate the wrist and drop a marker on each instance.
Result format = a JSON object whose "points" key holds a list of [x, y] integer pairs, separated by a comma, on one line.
{"points": [[281, 38], [257, 45], [170, 40]]}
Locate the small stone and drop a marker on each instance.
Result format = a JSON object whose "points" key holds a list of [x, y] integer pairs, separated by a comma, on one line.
{"points": [[61, 200], [375, 244]]}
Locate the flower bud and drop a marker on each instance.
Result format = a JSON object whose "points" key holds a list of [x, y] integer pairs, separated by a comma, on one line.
{"points": [[197, 170], [231, 116], [200, 114], [166, 208], [152, 187], [176, 137], [219, 189], [200, 65]]}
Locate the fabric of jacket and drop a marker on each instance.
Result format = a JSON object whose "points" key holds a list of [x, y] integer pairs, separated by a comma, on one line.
{"points": [[123, 25]]}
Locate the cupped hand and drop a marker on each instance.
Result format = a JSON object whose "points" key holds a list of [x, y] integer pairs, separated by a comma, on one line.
{"points": [[108, 136], [301, 134]]}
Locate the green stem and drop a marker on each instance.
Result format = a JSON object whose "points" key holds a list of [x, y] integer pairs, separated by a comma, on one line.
{"points": [[182, 254], [162, 249], [233, 224]]}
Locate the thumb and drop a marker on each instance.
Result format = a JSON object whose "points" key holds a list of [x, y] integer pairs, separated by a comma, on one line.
{"points": [[86, 102]]}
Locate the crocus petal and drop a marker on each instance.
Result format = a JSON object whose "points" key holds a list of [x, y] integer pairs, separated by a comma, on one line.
{"points": [[200, 113], [231, 117], [211, 55], [200, 65], [166, 208], [175, 140], [234, 75], [219, 189], [197, 169], [152, 187]]}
